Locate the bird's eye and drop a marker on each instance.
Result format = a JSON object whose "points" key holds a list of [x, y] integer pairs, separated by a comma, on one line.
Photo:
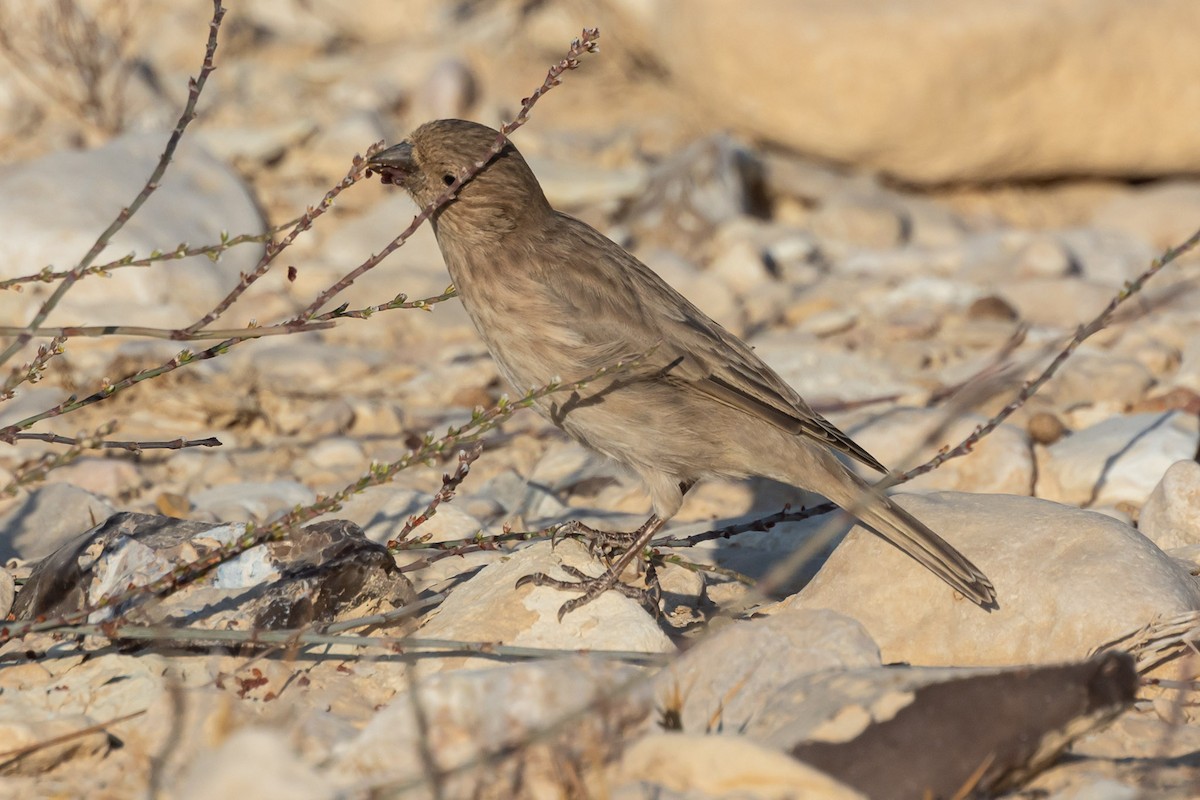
{"points": [[447, 179]]}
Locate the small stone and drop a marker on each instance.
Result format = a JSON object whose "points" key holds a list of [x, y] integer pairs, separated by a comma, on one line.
{"points": [[741, 265], [865, 222], [8, 591], [448, 91], [1043, 257], [991, 307], [1045, 428], [1171, 516]]}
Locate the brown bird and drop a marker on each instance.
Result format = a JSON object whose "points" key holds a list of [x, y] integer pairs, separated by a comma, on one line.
{"points": [[554, 299]]}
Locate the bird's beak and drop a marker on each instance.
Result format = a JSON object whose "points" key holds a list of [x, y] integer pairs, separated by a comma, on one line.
{"points": [[394, 164]]}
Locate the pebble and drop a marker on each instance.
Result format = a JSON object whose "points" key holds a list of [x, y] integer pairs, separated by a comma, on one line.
{"points": [[1171, 516]]}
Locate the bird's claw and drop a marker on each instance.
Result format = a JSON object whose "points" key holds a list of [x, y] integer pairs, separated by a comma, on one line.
{"points": [[597, 541], [592, 588]]}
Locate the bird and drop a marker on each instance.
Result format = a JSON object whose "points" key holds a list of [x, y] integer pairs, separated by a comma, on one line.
{"points": [[554, 300]]}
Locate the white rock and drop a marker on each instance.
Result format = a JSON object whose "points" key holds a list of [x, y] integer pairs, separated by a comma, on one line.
{"points": [[762, 72], [1171, 516], [49, 516], [1162, 214], [1060, 302], [863, 221], [253, 762], [469, 714], [252, 500], [726, 678], [24, 725], [448, 91], [571, 184], [199, 197], [1107, 257], [337, 451], [1067, 581], [1095, 377], [382, 511], [1002, 462], [8, 591], [610, 622], [1043, 256], [1119, 460], [821, 373], [106, 477], [261, 144], [699, 766]]}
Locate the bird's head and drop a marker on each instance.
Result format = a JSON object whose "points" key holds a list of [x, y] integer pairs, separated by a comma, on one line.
{"points": [[498, 198]]}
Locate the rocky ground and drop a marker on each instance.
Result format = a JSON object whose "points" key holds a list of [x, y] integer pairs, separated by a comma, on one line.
{"points": [[905, 281]]}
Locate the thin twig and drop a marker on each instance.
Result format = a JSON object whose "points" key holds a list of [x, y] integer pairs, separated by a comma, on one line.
{"points": [[188, 572], [38, 470], [195, 86], [174, 334], [273, 249], [9, 756], [964, 447], [401, 645], [180, 251], [136, 447], [32, 372], [450, 484], [185, 357], [1099, 323], [588, 43]]}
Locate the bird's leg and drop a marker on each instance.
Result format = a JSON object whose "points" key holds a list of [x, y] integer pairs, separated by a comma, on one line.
{"points": [[593, 587]]}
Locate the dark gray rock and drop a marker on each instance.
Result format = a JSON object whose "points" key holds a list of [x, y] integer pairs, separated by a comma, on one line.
{"points": [[322, 573]]}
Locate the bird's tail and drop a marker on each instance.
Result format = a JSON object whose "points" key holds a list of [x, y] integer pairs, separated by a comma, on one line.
{"points": [[906, 532]]}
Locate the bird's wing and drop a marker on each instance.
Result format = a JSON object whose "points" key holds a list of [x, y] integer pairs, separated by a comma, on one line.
{"points": [[687, 345]]}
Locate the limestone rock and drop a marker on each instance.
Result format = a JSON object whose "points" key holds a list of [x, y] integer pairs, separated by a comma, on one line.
{"points": [[1119, 460], [466, 715], [1067, 581], [199, 199], [1001, 463], [694, 766], [50, 516], [471, 612], [1171, 516], [725, 680], [253, 762], [849, 84]]}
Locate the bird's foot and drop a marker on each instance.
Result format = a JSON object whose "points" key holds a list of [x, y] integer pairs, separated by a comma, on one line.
{"points": [[593, 587], [598, 541]]}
